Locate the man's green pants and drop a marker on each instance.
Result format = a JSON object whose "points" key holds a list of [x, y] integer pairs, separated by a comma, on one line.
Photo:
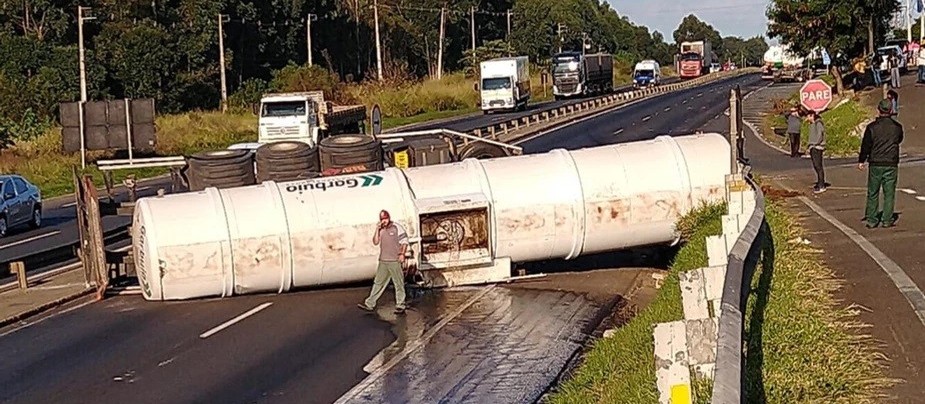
{"points": [[880, 177], [388, 270]]}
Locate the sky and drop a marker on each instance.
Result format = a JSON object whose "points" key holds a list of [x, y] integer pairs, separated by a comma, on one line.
{"points": [[743, 18]]}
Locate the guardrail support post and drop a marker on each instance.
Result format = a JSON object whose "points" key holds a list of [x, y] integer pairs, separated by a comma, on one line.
{"points": [[19, 268]]}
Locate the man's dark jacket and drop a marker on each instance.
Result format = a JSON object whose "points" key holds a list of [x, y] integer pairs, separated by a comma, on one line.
{"points": [[880, 145]]}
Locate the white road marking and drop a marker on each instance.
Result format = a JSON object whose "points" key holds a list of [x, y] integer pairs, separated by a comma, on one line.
{"points": [[619, 131], [908, 191], [165, 363], [903, 282], [235, 320], [30, 239], [410, 347], [648, 117]]}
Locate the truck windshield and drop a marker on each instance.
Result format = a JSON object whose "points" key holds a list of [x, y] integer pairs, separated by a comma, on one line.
{"points": [[643, 73], [501, 83], [690, 56], [285, 108]]}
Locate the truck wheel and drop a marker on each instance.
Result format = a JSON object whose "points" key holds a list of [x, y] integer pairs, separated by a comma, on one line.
{"points": [[220, 169], [358, 152], [481, 150], [286, 161]]}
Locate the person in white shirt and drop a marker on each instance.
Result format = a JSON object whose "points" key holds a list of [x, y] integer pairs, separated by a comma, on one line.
{"points": [[921, 63]]}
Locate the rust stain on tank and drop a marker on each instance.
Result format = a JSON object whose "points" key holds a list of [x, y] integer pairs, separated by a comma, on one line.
{"points": [[610, 211], [333, 242], [522, 220]]}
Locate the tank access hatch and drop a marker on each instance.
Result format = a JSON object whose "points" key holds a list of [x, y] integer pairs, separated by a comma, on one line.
{"points": [[455, 247]]}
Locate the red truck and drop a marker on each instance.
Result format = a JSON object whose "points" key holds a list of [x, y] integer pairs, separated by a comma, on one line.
{"points": [[694, 59]]}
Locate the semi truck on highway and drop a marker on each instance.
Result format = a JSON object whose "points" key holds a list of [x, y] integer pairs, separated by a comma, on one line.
{"points": [[575, 74], [646, 73], [782, 65], [695, 59], [504, 84]]}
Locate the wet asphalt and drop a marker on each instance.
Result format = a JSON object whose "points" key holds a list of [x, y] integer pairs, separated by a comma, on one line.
{"points": [[489, 344]]}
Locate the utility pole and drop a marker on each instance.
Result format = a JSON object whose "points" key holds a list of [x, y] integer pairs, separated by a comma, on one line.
{"points": [[308, 34], [83, 82], [378, 43], [559, 30], [440, 46], [584, 42], [472, 27], [356, 5], [509, 12], [909, 21], [221, 62], [82, 59]]}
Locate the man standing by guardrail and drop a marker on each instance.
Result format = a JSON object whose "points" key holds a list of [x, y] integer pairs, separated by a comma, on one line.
{"points": [[880, 151], [393, 244]]}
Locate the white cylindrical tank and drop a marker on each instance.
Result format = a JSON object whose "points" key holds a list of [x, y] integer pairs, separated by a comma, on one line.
{"points": [[562, 204]]}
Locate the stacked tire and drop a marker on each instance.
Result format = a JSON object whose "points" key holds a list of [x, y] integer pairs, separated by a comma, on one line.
{"points": [[345, 154], [220, 169], [287, 161]]}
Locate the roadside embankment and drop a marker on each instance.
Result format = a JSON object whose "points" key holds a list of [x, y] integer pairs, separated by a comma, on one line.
{"points": [[843, 120], [802, 344]]}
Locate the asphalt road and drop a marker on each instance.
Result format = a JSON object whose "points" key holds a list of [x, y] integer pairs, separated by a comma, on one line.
{"points": [[313, 346], [60, 226], [479, 120]]}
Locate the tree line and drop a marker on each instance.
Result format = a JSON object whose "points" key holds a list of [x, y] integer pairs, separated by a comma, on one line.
{"points": [[168, 49]]}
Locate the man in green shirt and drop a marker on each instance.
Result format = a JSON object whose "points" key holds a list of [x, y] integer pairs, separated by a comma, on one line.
{"points": [[880, 151]]}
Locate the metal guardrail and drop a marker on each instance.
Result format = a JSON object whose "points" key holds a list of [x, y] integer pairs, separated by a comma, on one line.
{"points": [[743, 258], [501, 130]]}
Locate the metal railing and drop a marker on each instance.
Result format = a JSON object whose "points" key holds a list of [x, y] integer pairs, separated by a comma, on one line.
{"points": [[728, 377]]}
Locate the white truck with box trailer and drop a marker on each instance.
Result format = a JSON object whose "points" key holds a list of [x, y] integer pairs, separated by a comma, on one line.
{"points": [[504, 84]]}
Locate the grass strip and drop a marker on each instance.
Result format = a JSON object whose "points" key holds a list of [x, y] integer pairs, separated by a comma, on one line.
{"points": [[803, 347], [841, 123]]}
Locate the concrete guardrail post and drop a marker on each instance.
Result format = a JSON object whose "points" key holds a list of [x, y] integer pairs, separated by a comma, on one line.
{"points": [[18, 268]]}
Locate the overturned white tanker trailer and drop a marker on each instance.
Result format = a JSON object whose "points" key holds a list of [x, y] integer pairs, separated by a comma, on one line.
{"points": [[467, 221]]}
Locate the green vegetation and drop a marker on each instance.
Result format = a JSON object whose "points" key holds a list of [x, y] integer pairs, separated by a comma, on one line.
{"points": [[843, 137], [620, 369], [802, 346], [806, 347]]}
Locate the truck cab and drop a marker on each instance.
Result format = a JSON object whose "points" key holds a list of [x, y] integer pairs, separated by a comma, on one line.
{"points": [[691, 65], [647, 73], [288, 117], [305, 117]]}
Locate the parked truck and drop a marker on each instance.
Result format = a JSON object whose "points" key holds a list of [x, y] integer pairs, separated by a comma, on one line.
{"points": [[504, 84], [574, 74], [781, 65], [647, 73], [305, 117], [695, 59]]}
